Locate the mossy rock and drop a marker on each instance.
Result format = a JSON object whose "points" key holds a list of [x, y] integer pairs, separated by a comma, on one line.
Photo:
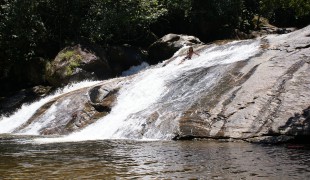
{"points": [[74, 64]]}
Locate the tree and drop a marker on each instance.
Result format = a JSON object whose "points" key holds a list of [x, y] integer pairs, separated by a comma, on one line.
{"points": [[212, 19], [123, 21], [21, 31], [285, 12], [63, 19]]}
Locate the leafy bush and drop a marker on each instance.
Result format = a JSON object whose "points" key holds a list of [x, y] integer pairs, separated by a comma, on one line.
{"points": [[122, 21], [284, 12], [36, 29]]}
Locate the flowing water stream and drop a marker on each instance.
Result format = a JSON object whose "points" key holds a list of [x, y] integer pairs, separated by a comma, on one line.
{"points": [[167, 89], [113, 147]]}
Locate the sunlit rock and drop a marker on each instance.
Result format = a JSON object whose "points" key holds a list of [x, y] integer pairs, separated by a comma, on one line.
{"points": [[77, 63], [254, 90], [166, 46]]}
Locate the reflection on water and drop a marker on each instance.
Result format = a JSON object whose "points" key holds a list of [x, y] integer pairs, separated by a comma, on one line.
{"points": [[150, 160]]}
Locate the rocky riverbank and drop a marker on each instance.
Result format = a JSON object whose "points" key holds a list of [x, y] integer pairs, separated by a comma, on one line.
{"points": [[263, 98]]}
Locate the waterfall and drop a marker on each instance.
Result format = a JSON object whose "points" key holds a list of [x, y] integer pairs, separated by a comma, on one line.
{"points": [[165, 90], [8, 124]]}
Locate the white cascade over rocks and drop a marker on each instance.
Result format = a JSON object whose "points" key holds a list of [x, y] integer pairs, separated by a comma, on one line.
{"points": [[254, 90]]}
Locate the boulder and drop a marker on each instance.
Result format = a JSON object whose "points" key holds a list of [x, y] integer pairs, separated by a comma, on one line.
{"points": [[166, 46], [77, 63], [22, 75], [121, 58], [102, 98], [88, 61], [254, 90], [9, 104], [265, 99], [74, 110]]}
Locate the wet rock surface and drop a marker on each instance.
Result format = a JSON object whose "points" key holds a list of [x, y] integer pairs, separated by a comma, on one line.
{"points": [[265, 98], [73, 111], [10, 104]]}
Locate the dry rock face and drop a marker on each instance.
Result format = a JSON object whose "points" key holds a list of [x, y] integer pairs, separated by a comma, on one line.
{"points": [[265, 99]]}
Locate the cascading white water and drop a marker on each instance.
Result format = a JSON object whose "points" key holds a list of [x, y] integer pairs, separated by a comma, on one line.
{"points": [[150, 90], [8, 124]]}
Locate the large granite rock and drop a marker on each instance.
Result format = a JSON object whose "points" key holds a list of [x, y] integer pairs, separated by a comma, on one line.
{"points": [[263, 98], [80, 62], [267, 96], [166, 46], [74, 110], [77, 63]]}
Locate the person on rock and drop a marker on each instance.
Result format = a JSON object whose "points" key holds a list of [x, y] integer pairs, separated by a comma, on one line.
{"points": [[189, 55]]}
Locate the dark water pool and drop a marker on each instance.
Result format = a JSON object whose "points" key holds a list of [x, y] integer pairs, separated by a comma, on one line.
{"points": [[120, 159]]}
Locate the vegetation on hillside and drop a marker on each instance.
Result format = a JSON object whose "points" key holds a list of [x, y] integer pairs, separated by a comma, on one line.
{"points": [[34, 30]]}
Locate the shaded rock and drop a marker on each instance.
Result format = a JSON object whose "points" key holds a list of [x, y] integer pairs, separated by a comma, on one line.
{"points": [[35, 71], [77, 63], [271, 139], [101, 98], [166, 46], [123, 57], [10, 104], [265, 30], [242, 35], [299, 124], [23, 75]]}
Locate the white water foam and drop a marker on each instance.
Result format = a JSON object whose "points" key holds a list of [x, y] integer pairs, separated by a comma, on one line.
{"points": [[149, 85], [135, 69], [8, 124]]}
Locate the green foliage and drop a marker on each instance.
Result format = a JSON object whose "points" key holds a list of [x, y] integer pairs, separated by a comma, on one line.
{"points": [[63, 19], [222, 15], [120, 21], [208, 20], [73, 63], [74, 60], [300, 7], [285, 12], [21, 33], [67, 55], [36, 29], [21, 30]]}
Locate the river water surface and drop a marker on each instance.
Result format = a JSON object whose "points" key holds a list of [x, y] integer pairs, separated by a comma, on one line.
{"points": [[20, 158]]}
